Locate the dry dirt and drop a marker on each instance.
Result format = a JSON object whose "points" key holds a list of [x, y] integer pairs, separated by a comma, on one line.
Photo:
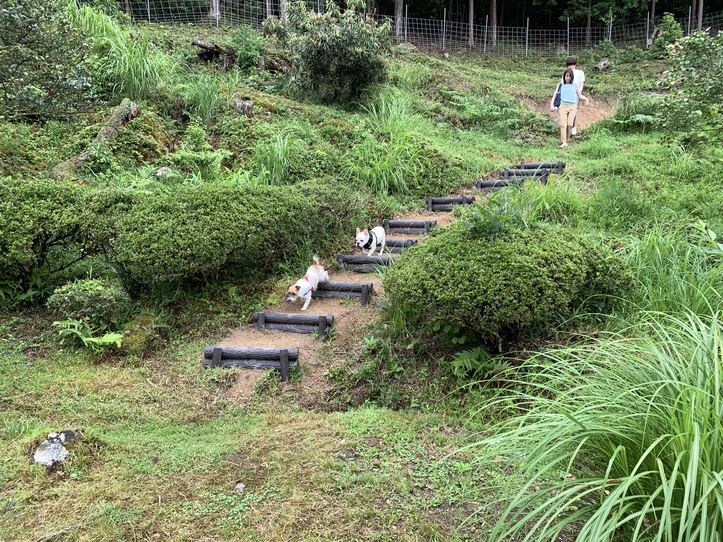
{"points": [[350, 323], [598, 110]]}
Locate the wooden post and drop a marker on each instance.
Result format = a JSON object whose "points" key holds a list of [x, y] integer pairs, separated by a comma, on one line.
{"points": [[216, 361], [365, 295], [284, 356], [262, 322], [322, 327]]}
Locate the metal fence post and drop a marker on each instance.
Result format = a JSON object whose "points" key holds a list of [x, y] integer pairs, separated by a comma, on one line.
{"points": [[568, 36], [647, 30], [444, 29], [406, 18], [148, 10], [610, 29], [527, 37], [487, 18]]}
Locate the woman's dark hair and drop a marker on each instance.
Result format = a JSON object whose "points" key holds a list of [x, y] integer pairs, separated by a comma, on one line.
{"points": [[572, 75]]}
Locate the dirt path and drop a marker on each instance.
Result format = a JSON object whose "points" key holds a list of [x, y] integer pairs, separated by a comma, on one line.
{"points": [[349, 316], [599, 109]]}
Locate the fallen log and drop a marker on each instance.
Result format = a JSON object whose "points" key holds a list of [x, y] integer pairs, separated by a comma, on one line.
{"points": [[124, 113], [212, 51]]}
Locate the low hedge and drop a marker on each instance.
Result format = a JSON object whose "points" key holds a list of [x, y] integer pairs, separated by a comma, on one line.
{"points": [[205, 232], [503, 287]]}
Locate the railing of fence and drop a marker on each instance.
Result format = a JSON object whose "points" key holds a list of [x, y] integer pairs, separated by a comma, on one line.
{"points": [[425, 34]]}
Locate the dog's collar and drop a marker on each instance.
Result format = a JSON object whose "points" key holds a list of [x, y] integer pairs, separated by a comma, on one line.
{"points": [[372, 240], [311, 288]]}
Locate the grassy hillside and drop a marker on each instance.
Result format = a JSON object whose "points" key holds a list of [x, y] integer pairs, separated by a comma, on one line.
{"points": [[383, 447]]}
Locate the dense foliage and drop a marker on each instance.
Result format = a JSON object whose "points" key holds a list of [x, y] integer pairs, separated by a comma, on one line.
{"points": [[694, 106], [43, 61], [504, 286], [335, 54]]}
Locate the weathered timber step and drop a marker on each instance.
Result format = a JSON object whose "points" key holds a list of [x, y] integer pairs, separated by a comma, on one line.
{"points": [[408, 226], [398, 245], [506, 173], [557, 167], [446, 203], [327, 289], [498, 183], [251, 358], [363, 264], [294, 323]]}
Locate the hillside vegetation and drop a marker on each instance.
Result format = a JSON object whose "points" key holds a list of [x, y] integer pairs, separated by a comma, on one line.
{"points": [[549, 363]]}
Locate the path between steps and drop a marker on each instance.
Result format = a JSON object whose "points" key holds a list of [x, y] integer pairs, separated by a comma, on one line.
{"points": [[351, 321]]}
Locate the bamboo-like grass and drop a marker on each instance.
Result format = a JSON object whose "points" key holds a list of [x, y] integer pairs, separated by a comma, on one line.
{"points": [[674, 274], [132, 65], [624, 437]]}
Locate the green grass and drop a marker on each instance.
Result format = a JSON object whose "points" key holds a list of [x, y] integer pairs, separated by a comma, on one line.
{"points": [[164, 443], [622, 437]]}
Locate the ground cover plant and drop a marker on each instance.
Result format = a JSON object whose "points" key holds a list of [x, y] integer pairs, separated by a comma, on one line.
{"points": [[197, 214]]}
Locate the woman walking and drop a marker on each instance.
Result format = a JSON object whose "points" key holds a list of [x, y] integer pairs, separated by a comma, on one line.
{"points": [[570, 95]]}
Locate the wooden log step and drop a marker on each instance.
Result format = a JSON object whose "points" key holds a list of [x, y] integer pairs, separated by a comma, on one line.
{"points": [[506, 173], [239, 352], [331, 289], [446, 203], [558, 167], [292, 322], [497, 183], [357, 258], [408, 226], [251, 358], [363, 264], [399, 245]]}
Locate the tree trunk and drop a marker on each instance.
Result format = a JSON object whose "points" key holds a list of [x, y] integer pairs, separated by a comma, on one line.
{"points": [[269, 9], [493, 21], [588, 27], [700, 15], [124, 113], [693, 10], [471, 24], [652, 14], [282, 11], [398, 16]]}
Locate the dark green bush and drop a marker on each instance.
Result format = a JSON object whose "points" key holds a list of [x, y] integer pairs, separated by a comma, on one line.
{"points": [[100, 303], [212, 231], [335, 54], [506, 286], [43, 62], [248, 44], [43, 229]]}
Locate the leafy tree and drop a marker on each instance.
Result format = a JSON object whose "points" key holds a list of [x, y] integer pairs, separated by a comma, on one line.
{"points": [[42, 61], [695, 102], [670, 32], [335, 55]]}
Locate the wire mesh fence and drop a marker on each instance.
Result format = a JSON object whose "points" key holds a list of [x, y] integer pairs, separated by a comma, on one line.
{"points": [[425, 34]]}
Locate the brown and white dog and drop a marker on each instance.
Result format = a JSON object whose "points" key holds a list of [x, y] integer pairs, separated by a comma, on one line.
{"points": [[370, 239], [306, 285]]}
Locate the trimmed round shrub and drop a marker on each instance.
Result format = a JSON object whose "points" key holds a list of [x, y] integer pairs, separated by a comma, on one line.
{"points": [[99, 302], [505, 286]]}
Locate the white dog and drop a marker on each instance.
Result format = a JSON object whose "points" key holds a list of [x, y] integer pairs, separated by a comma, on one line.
{"points": [[306, 285], [370, 239]]}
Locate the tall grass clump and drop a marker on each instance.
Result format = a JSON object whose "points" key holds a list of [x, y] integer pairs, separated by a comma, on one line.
{"points": [[387, 158], [271, 161], [201, 96], [131, 65], [623, 436], [673, 275]]}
